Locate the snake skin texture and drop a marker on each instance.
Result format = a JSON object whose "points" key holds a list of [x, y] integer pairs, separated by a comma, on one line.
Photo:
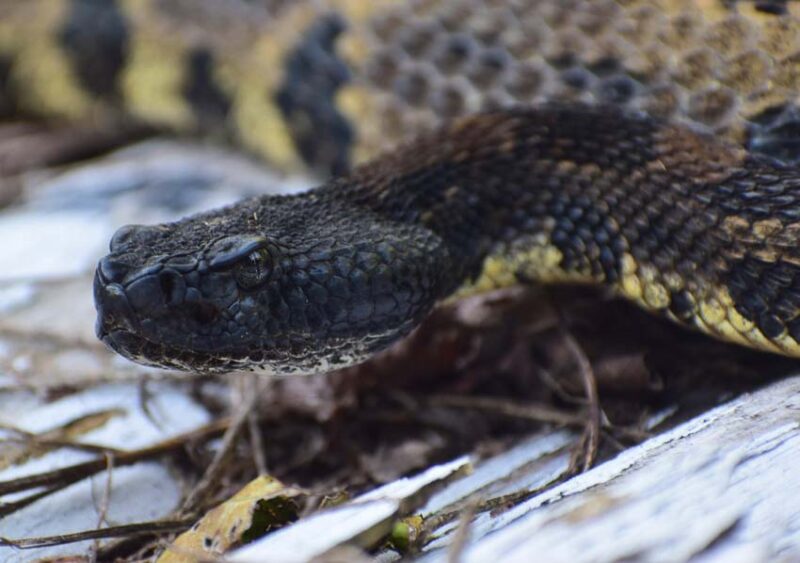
{"points": [[667, 170], [328, 84], [677, 221]]}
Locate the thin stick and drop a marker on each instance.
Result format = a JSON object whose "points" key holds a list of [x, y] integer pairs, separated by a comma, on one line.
{"points": [[106, 500], [126, 530], [509, 500], [11, 507], [144, 403], [74, 473], [50, 440], [537, 413], [257, 443], [197, 495], [594, 419], [461, 535]]}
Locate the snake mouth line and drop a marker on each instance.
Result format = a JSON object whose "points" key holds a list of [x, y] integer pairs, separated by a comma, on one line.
{"points": [[140, 350], [122, 327], [116, 324], [119, 328]]}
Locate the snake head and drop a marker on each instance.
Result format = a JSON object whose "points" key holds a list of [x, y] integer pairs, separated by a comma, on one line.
{"points": [[279, 285]]}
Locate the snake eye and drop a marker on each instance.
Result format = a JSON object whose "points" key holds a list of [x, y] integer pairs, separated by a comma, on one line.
{"points": [[254, 270]]}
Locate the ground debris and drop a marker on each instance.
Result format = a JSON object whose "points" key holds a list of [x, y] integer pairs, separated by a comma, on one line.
{"points": [[498, 379], [262, 506]]}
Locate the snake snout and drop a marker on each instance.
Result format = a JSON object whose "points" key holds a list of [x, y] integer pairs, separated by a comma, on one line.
{"points": [[124, 293], [113, 309]]}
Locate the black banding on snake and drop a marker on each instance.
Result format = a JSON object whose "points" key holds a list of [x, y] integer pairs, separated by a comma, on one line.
{"points": [[313, 76], [210, 104], [7, 96], [97, 58], [674, 220]]}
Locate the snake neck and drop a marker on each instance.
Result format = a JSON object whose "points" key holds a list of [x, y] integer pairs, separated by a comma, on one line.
{"points": [[674, 220], [531, 180]]}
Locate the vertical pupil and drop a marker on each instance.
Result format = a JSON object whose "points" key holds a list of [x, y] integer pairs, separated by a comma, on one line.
{"points": [[255, 259], [253, 270]]}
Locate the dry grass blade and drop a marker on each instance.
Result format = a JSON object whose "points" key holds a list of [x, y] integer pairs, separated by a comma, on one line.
{"points": [[11, 507]]}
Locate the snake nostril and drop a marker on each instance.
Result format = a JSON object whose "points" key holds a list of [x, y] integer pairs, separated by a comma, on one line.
{"points": [[112, 271]]}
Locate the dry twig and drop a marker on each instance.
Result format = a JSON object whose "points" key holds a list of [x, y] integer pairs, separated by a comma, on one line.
{"points": [[198, 495], [257, 443], [508, 408], [461, 535], [594, 416], [73, 473], [126, 530]]}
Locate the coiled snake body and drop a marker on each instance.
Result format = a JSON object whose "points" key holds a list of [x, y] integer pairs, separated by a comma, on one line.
{"points": [[665, 172]]}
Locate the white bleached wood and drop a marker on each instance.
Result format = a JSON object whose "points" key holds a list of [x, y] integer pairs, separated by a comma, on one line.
{"points": [[365, 519], [723, 486]]}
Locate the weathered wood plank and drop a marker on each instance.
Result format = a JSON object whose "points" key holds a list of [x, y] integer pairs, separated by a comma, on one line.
{"points": [[722, 484], [363, 521], [719, 486]]}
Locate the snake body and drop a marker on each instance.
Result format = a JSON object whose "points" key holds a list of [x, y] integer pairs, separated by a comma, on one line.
{"points": [[674, 220], [328, 84], [666, 171]]}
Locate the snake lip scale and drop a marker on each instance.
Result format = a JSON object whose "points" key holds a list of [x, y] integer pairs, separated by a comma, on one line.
{"points": [[675, 220]]}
